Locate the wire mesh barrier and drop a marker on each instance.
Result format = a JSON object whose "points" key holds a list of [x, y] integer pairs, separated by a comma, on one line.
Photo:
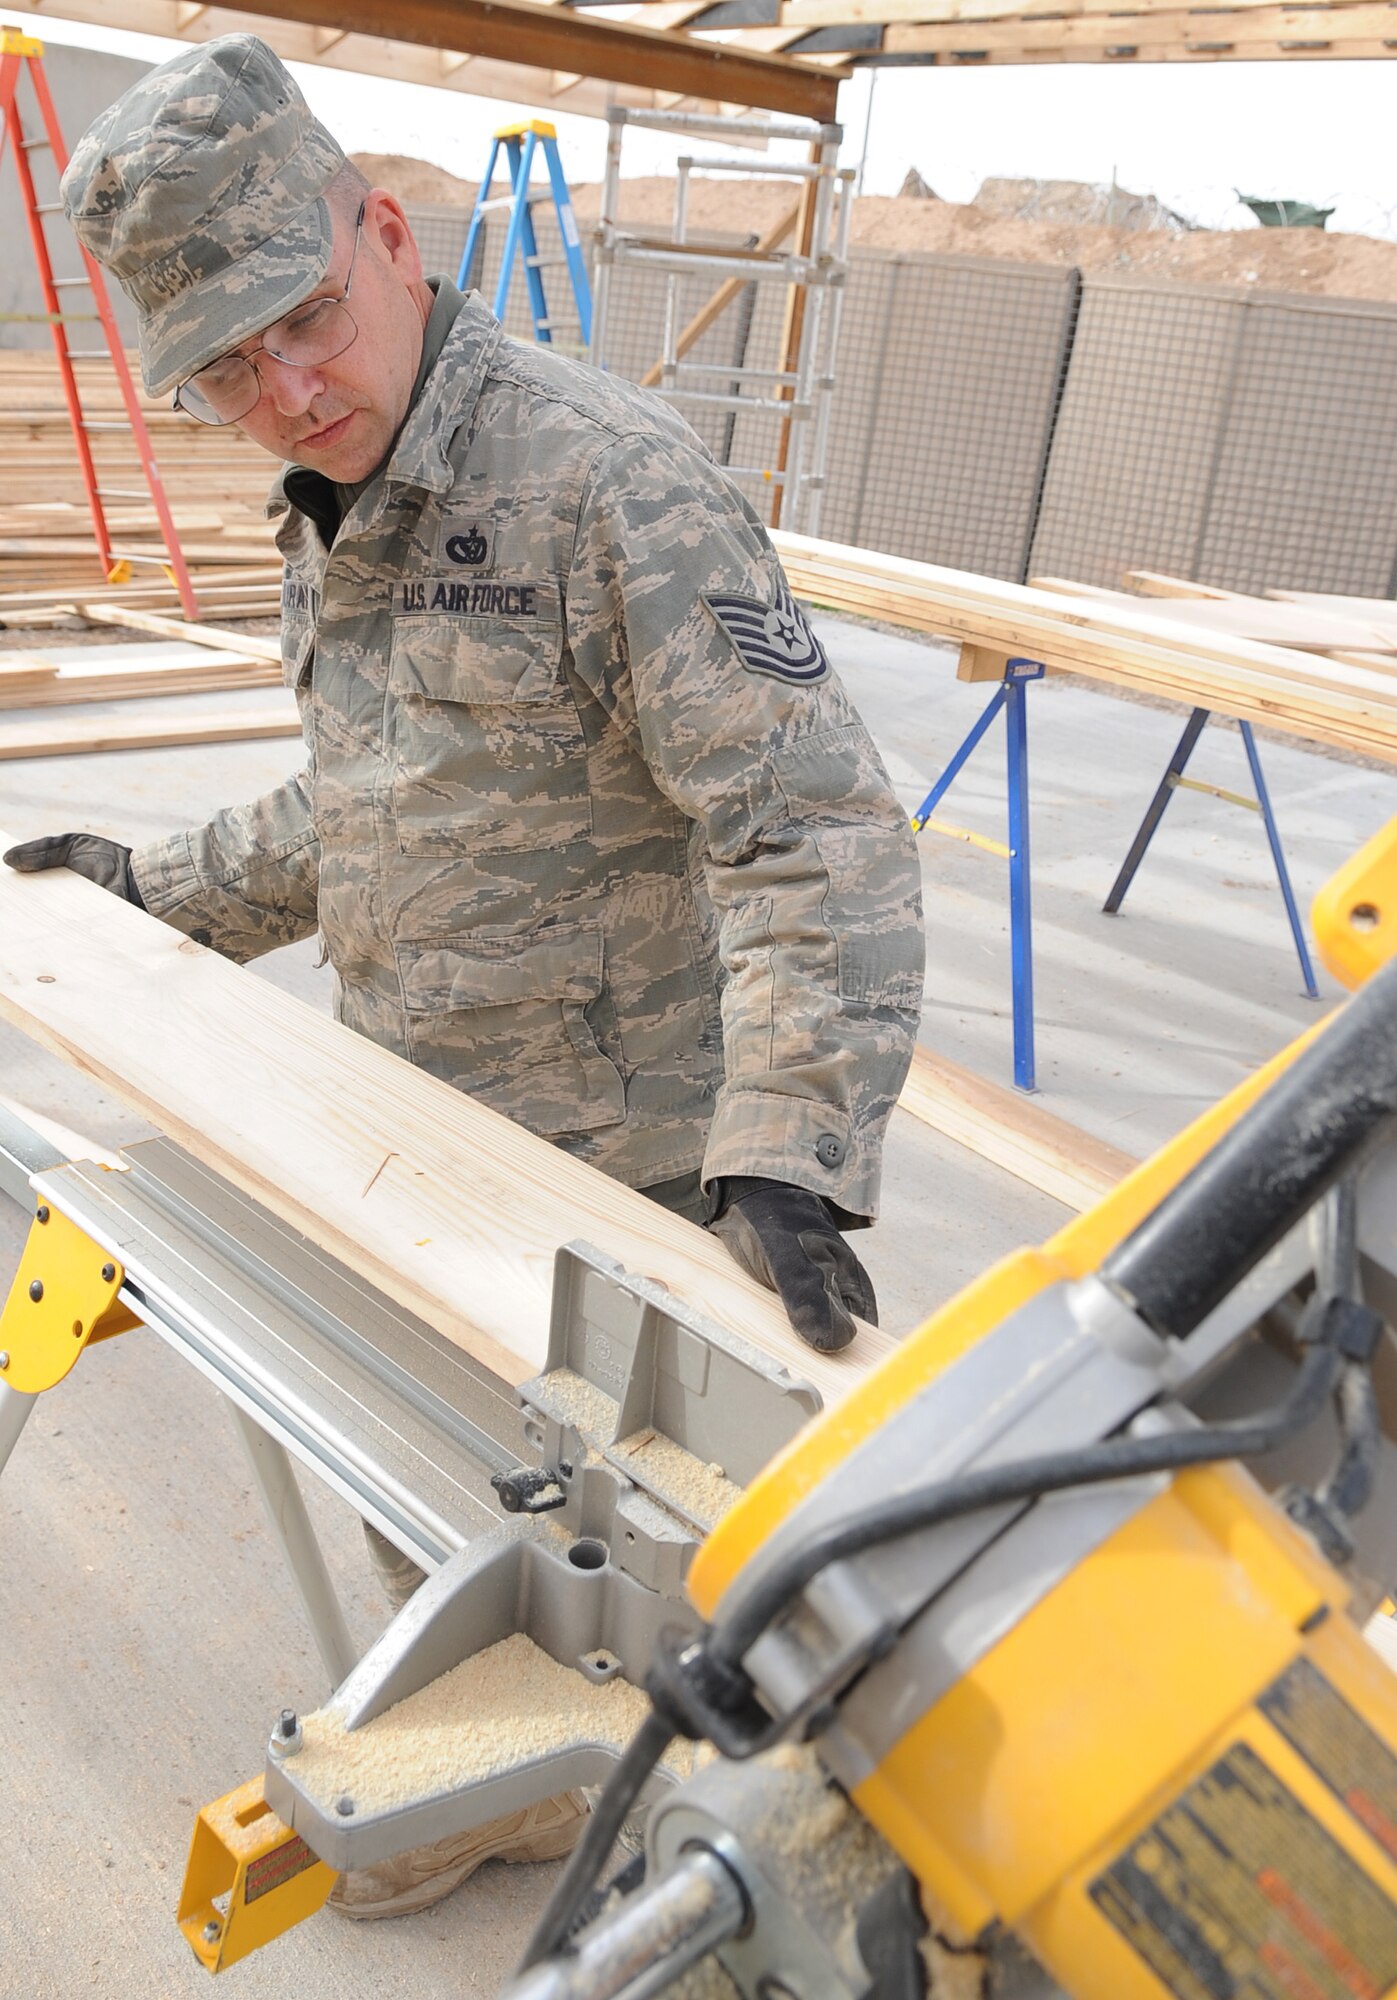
{"points": [[950, 371], [1244, 440]]}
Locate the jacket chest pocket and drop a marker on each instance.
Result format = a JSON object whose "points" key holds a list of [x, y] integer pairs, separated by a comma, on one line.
{"points": [[487, 748], [525, 1023]]}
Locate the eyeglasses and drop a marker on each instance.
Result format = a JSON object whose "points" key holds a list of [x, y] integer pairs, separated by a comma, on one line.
{"points": [[230, 387]]}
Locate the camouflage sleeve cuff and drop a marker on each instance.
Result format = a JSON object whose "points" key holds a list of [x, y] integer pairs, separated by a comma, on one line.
{"points": [[799, 1140], [241, 911], [166, 875]]}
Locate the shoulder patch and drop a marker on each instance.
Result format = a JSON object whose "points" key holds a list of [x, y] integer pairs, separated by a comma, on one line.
{"points": [[775, 638]]}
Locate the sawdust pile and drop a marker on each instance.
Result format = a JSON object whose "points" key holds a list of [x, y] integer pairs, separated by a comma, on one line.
{"points": [[1279, 260], [501, 1710]]}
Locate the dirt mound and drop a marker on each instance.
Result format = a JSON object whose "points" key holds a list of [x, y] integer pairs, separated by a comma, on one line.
{"points": [[1075, 202], [413, 180], [1281, 260]]}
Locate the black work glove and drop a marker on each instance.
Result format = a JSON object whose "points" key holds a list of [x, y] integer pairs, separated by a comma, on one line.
{"points": [[788, 1240], [104, 862]]}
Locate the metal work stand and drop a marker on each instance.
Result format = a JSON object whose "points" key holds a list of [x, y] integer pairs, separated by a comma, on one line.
{"points": [[1171, 782], [317, 1371], [1011, 695]]}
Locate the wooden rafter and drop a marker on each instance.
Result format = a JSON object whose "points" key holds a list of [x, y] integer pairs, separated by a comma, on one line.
{"points": [[872, 31], [516, 49]]}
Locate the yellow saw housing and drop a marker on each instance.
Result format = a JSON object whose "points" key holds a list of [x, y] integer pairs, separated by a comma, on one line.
{"points": [[1177, 1774]]}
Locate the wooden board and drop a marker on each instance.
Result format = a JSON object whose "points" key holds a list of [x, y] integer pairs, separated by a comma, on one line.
{"points": [[441, 1203], [1308, 628], [1380, 612], [1009, 1129], [1155, 583], [86, 735], [74, 689], [178, 628], [1316, 699]]}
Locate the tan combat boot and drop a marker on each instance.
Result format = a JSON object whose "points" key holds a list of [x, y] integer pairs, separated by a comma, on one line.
{"points": [[424, 1875]]}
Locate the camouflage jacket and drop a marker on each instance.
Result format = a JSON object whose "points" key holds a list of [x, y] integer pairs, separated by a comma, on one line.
{"points": [[588, 826]]}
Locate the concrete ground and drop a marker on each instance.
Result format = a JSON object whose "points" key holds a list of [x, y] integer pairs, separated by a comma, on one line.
{"points": [[148, 1633]]}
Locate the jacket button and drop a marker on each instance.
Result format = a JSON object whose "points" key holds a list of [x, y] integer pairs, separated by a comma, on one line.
{"points": [[829, 1151]]}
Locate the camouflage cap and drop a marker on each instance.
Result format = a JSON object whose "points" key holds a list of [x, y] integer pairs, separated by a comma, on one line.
{"points": [[202, 190]]}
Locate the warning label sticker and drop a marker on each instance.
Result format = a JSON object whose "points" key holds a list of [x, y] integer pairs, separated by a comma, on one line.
{"points": [[269, 1871], [1339, 1747], [1237, 1893]]}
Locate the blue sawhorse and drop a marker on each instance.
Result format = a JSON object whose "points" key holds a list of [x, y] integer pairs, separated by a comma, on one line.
{"points": [[1174, 780], [1012, 696], [520, 143]]}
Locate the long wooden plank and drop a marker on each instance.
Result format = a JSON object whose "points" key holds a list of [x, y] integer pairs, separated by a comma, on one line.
{"points": [[1305, 627], [441, 1203], [86, 735], [1000, 1125], [177, 628], [1321, 700], [77, 690], [1341, 26], [1156, 583]]}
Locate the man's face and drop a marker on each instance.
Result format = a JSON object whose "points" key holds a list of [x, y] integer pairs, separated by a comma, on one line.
{"points": [[340, 416]]}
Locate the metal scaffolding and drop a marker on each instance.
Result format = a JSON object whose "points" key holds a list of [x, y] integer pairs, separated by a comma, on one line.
{"points": [[795, 396]]}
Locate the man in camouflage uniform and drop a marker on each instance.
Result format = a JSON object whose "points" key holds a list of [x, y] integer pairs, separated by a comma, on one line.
{"points": [[588, 826]]}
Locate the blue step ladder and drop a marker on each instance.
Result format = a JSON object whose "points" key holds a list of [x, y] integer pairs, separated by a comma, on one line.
{"points": [[520, 143]]}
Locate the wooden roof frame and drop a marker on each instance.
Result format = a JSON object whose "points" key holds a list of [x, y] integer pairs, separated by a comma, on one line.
{"points": [[964, 33], [528, 51], [724, 57]]}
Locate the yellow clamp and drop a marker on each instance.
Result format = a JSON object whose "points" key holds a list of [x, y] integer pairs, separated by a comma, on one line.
{"points": [[249, 1878], [14, 42], [64, 1296], [540, 128]]}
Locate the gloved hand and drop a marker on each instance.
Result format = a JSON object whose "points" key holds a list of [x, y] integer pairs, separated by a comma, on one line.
{"points": [[104, 862], [788, 1240]]}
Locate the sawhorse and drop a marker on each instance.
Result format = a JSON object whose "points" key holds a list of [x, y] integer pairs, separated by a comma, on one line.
{"points": [[1174, 780], [977, 663], [1013, 674]]}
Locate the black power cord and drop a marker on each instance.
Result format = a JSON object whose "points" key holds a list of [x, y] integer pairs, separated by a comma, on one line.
{"points": [[588, 1858], [1028, 1479]]}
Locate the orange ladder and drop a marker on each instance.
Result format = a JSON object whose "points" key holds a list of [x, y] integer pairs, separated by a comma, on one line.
{"points": [[18, 51]]}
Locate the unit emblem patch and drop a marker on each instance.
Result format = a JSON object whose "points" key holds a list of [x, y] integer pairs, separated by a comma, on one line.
{"points": [[774, 638], [467, 543]]}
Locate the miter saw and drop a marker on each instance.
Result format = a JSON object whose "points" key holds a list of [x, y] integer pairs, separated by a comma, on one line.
{"points": [[1035, 1665]]}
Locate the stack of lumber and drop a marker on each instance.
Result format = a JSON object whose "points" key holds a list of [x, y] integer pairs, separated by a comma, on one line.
{"points": [[215, 480], [1362, 630], [1348, 702], [227, 660], [190, 659]]}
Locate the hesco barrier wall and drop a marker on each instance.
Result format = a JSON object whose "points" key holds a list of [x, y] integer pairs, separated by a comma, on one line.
{"points": [[1246, 440], [1020, 418]]}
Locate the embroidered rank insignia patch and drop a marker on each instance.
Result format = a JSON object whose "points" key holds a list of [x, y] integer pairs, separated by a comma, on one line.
{"points": [[774, 638], [468, 543]]}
